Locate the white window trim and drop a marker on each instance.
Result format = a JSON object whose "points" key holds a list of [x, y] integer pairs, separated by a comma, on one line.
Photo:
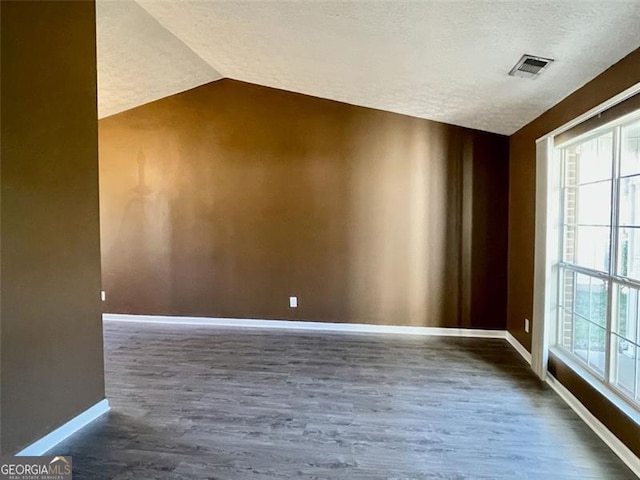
{"points": [[546, 251]]}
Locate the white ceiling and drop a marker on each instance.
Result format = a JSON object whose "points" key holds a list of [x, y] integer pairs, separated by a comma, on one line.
{"points": [[445, 61], [139, 60]]}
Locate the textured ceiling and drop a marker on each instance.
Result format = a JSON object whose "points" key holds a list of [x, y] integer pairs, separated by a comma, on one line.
{"points": [[446, 61], [139, 60]]}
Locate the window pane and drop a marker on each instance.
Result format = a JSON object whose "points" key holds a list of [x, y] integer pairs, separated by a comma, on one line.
{"points": [[594, 204], [582, 304], [629, 234], [630, 201], [566, 328], [567, 301], [591, 299], [569, 244], [589, 161], [630, 160], [597, 348], [624, 357], [587, 247], [599, 301], [629, 252], [626, 321], [581, 338]]}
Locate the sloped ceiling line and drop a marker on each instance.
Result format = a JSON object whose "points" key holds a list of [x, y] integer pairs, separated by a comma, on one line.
{"points": [[139, 60], [207, 61]]}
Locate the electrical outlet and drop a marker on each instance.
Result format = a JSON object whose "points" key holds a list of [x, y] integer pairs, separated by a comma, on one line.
{"points": [[103, 295], [293, 302], [526, 325]]}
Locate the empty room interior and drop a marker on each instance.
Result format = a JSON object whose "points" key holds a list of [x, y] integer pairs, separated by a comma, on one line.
{"points": [[337, 240]]}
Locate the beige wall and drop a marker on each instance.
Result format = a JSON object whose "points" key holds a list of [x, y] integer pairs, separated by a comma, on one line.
{"points": [[51, 356], [225, 200], [522, 174]]}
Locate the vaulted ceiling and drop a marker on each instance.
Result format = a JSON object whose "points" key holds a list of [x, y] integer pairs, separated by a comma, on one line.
{"points": [[440, 60]]}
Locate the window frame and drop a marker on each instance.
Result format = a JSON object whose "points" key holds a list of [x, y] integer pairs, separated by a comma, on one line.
{"points": [[611, 278], [547, 248]]}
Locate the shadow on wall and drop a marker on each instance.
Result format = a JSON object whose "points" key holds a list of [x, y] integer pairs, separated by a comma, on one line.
{"points": [[225, 200]]}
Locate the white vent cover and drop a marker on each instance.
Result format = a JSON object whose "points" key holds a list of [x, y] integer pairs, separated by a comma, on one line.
{"points": [[529, 66]]}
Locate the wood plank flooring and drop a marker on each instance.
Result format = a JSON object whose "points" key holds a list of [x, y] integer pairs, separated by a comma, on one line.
{"points": [[226, 404]]}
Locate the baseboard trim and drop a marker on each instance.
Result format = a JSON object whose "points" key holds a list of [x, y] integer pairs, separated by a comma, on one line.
{"points": [[46, 443], [619, 448], [518, 347], [304, 325]]}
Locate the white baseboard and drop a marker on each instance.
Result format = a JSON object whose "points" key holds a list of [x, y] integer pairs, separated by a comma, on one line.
{"points": [[519, 348], [46, 443], [304, 325], [619, 448]]}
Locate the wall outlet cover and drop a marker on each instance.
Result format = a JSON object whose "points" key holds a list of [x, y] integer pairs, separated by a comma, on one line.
{"points": [[293, 302]]}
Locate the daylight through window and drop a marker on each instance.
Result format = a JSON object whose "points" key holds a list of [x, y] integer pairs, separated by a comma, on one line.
{"points": [[599, 268]]}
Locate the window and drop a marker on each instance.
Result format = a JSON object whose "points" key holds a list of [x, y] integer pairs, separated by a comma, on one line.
{"points": [[598, 297]]}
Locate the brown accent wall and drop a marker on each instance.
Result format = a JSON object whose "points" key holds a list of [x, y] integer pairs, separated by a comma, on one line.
{"points": [[225, 200], [522, 174], [51, 351]]}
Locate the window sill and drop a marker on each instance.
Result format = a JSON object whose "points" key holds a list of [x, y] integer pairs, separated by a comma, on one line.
{"points": [[606, 391]]}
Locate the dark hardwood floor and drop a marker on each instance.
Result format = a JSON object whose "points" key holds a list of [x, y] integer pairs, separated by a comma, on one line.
{"points": [[205, 403]]}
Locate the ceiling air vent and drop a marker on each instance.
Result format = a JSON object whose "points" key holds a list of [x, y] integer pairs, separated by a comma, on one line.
{"points": [[529, 66]]}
